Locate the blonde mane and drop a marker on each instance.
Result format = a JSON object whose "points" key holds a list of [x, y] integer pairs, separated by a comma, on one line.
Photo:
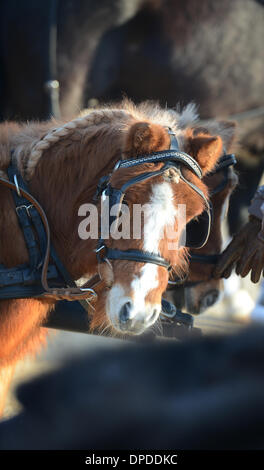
{"points": [[36, 138]]}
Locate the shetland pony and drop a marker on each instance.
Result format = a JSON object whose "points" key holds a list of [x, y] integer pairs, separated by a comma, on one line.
{"points": [[62, 164]]}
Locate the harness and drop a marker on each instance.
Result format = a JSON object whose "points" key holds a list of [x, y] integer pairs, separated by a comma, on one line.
{"points": [[172, 158], [174, 321], [197, 229], [32, 279], [224, 163]]}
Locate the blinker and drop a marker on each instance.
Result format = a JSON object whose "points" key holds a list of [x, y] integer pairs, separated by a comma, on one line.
{"points": [[197, 230]]}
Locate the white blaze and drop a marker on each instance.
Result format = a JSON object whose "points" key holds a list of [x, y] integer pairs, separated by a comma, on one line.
{"points": [[160, 213]]}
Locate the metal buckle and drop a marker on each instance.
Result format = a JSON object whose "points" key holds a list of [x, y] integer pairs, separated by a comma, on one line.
{"points": [[98, 250], [23, 206], [103, 195], [88, 289], [117, 165]]}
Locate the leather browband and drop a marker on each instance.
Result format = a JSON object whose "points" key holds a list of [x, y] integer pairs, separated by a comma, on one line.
{"points": [[134, 255], [174, 156]]}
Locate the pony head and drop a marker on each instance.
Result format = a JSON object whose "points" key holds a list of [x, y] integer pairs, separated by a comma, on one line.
{"points": [[133, 302], [64, 167]]}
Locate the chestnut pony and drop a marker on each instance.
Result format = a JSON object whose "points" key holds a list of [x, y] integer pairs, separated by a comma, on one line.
{"points": [[62, 164], [201, 290]]}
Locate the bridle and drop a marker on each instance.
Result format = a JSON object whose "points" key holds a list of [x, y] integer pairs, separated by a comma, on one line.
{"points": [[31, 280], [172, 158], [226, 161], [172, 316]]}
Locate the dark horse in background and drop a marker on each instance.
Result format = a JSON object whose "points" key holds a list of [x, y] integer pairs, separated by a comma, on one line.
{"points": [[51, 39], [208, 52]]}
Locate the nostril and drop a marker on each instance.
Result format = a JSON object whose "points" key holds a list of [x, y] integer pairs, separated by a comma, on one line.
{"points": [[125, 312]]}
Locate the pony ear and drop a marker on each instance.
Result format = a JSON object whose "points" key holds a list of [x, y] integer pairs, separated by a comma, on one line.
{"points": [[145, 138], [207, 143], [225, 129], [206, 150]]}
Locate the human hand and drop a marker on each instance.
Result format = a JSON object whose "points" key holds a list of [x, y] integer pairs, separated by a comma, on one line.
{"points": [[245, 252]]}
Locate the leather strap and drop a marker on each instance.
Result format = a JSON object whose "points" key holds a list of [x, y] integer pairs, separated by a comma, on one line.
{"points": [[226, 160], [22, 210], [223, 164], [205, 259], [68, 293], [136, 255], [175, 156]]}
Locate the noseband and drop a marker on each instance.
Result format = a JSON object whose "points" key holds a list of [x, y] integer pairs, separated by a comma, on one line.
{"points": [[172, 158]]}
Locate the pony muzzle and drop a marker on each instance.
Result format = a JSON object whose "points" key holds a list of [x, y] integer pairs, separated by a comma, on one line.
{"points": [[126, 316], [136, 322]]}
